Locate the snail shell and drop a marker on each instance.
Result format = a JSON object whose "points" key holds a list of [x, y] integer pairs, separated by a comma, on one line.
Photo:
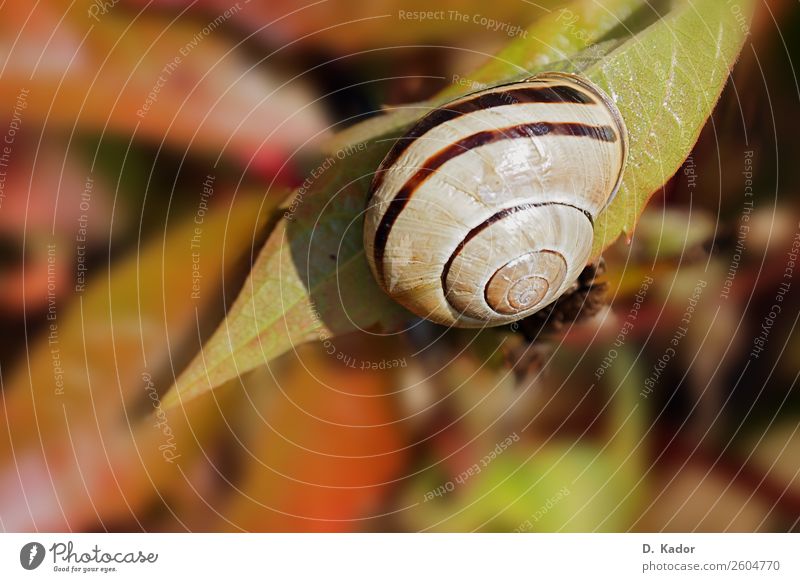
{"points": [[483, 213]]}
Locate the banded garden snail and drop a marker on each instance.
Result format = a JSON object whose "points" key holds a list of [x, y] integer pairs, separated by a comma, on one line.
{"points": [[483, 213]]}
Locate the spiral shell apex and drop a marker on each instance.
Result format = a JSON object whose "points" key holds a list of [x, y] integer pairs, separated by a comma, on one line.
{"points": [[483, 213]]}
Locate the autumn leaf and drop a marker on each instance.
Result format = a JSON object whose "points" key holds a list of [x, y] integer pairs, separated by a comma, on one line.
{"points": [[86, 444], [174, 81], [347, 27]]}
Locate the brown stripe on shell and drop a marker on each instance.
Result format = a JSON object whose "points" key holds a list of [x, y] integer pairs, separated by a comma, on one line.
{"points": [[490, 221], [432, 164], [478, 102]]}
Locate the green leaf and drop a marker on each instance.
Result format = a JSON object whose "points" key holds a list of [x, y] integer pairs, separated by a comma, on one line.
{"points": [[311, 281], [558, 487], [665, 81]]}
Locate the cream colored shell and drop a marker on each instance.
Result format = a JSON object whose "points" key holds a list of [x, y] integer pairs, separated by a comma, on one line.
{"points": [[483, 213]]}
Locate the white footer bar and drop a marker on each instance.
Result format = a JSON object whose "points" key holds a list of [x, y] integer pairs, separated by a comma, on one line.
{"points": [[402, 557]]}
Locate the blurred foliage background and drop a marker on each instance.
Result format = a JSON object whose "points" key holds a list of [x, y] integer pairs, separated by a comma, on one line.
{"points": [[116, 153]]}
